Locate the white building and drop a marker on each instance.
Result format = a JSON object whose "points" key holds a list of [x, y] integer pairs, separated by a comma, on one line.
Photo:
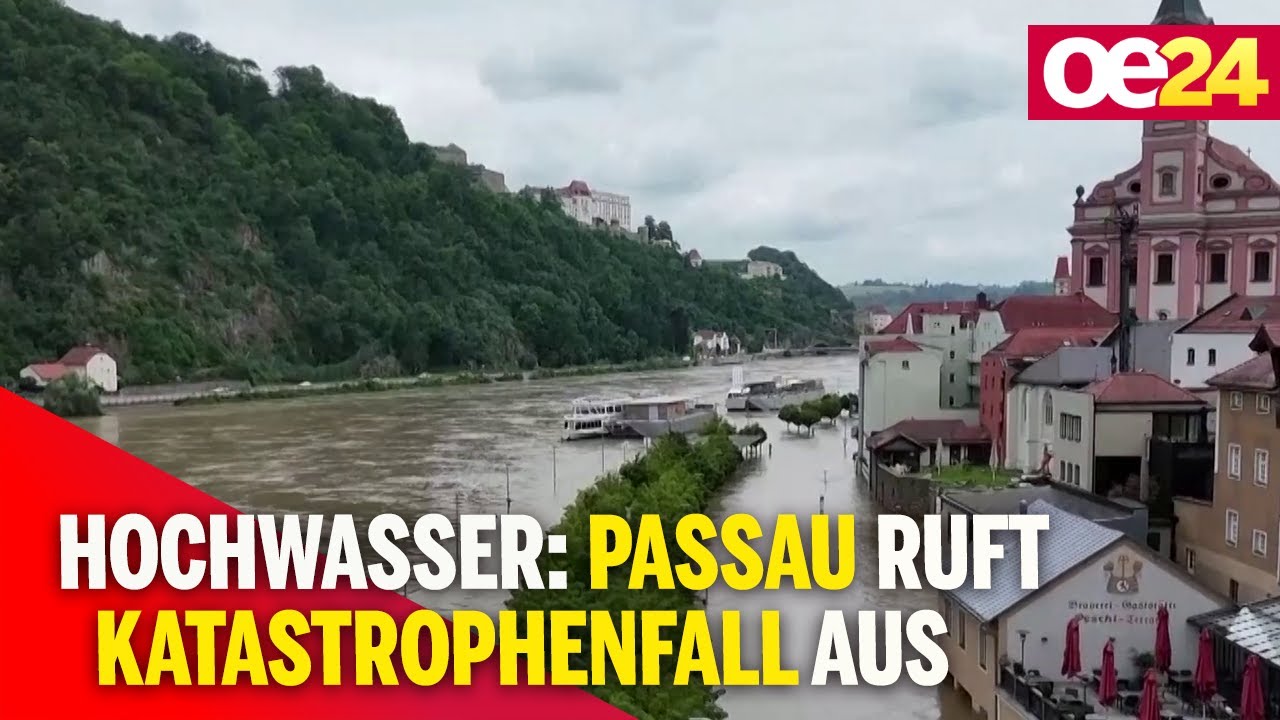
{"points": [[1112, 582], [1218, 339], [878, 318], [762, 269], [1098, 437], [711, 342], [1030, 413], [87, 361], [593, 207]]}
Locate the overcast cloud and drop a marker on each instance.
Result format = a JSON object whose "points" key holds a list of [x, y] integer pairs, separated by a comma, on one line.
{"points": [[876, 139]]}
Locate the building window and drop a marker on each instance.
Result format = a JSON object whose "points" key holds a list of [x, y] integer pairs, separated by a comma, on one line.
{"points": [[1233, 461], [946, 610], [1062, 470], [1069, 427], [1263, 403], [953, 377], [953, 329], [953, 354], [1259, 543], [1191, 562], [1048, 408], [1233, 528], [982, 648], [1164, 269], [1261, 467], [951, 402], [1191, 356], [906, 364], [1217, 267], [1262, 266], [961, 619], [1167, 179], [1096, 275], [1233, 591], [1213, 357], [1162, 315], [1237, 400]]}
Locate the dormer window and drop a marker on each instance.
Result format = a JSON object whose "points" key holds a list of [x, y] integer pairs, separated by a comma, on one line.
{"points": [[1168, 183]]}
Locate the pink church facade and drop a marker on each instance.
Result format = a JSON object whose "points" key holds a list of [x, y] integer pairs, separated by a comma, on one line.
{"points": [[1209, 224]]}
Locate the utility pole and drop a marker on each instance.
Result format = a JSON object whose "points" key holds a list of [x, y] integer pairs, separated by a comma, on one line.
{"points": [[1126, 222]]}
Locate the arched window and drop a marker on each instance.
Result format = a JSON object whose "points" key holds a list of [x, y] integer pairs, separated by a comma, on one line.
{"points": [[1048, 408]]}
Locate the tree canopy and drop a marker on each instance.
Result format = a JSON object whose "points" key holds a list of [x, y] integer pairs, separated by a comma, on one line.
{"points": [[191, 215]]}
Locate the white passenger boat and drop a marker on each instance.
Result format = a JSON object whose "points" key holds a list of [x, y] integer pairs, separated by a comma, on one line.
{"points": [[592, 417]]}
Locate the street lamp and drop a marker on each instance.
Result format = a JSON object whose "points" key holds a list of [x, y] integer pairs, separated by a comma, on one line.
{"points": [[1126, 222], [1022, 652]]}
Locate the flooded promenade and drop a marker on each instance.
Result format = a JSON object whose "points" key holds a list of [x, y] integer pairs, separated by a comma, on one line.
{"points": [[434, 450]]}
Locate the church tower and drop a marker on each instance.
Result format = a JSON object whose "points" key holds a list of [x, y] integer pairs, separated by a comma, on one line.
{"points": [[1173, 151], [1062, 276]]}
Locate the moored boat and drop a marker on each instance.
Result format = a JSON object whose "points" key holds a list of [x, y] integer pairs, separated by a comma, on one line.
{"points": [[649, 417], [592, 417], [770, 395]]}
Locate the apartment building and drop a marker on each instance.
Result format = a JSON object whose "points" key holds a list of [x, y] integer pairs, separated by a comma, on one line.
{"points": [[1230, 538]]}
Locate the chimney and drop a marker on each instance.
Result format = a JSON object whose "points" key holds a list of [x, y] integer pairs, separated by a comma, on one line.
{"points": [[982, 301], [1022, 507]]}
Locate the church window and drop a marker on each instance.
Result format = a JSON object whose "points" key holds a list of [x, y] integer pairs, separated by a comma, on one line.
{"points": [[1217, 267], [1168, 180], [1262, 266], [1097, 272], [1219, 182], [1164, 269], [1135, 187]]}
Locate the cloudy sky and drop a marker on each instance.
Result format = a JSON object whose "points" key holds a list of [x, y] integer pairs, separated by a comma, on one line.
{"points": [[876, 139]]}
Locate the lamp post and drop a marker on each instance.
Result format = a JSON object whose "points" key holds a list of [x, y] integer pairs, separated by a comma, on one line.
{"points": [[1022, 652], [1126, 222]]}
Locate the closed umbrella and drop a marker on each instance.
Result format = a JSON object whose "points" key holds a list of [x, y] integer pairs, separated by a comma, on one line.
{"points": [[1164, 649], [1251, 690], [1071, 651], [1107, 690], [1205, 680], [1149, 702]]}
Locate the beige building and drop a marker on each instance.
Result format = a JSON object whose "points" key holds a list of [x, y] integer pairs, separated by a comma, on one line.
{"points": [[1112, 581], [762, 269], [1229, 538], [1099, 437]]}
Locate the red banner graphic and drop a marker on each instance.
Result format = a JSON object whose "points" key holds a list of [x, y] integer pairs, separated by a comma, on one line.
{"points": [[50, 664]]}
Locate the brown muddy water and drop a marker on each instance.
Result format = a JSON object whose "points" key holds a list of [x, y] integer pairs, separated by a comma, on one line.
{"points": [[441, 449]]}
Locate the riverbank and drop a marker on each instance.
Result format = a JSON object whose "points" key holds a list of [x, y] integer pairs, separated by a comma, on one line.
{"points": [[371, 385]]}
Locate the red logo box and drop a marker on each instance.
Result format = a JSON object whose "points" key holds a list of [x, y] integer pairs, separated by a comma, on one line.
{"points": [[1153, 72]]}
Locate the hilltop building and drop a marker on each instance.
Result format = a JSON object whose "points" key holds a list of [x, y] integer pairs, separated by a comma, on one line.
{"points": [[595, 207], [454, 155], [1210, 216]]}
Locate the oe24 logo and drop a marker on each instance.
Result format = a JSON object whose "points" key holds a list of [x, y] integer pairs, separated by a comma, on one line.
{"points": [[1110, 73]]}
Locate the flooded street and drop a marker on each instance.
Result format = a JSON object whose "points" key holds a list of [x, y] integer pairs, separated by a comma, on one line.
{"points": [[448, 449]]}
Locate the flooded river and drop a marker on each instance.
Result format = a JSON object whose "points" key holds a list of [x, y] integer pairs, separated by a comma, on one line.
{"points": [[448, 449]]}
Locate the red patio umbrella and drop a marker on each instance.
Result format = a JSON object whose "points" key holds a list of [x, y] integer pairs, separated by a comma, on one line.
{"points": [[1251, 691], [1149, 702], [1205, 680], [1107, 690], [1164, 649], [1071, 651]]}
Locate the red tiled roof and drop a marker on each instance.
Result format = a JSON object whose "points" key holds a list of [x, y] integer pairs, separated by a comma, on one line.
{"points": [[1257, 373], [1139, 388], [967, 309], [1236, 314], [49, 371], [79, 356], [927, 432], [1062, 271], [891, 345], [1038, 342], [1056, 311], [577, 187]]}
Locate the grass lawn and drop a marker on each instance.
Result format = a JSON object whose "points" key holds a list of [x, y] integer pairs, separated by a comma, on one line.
{"points": [[972, 476]]}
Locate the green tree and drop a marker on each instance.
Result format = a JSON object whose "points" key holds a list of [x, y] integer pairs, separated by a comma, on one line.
{"points": [[72, 396]]}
